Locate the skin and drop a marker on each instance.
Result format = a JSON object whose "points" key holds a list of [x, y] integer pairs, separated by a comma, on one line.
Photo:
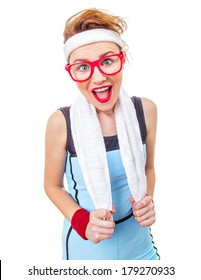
{"points": [[100, 225]]}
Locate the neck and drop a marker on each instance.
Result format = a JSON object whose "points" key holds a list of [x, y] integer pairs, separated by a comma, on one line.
{"points": [[109, 113], [107, 122]]}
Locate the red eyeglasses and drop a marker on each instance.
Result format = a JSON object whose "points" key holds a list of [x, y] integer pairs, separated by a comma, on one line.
{"points": [[108, 65]]}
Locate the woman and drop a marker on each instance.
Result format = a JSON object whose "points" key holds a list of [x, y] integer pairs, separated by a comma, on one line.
{"points": [[105, 144]]}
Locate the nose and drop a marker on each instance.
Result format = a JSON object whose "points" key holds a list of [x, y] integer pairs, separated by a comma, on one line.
{"points": [[98, 76]]}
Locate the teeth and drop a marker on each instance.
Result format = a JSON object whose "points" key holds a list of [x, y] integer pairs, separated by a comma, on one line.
{"points": [[101, 89]]}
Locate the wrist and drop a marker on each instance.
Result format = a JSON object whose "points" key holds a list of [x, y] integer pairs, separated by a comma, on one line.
{"points": [[80, 221]]}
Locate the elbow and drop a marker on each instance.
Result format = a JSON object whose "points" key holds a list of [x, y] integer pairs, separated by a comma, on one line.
{"points": [[46, 188], [150, 170]]}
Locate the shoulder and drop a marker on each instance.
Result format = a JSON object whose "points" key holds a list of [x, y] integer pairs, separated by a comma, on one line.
{"points": [[56, 120], [148, 105], [150, 112], [56, 127]]}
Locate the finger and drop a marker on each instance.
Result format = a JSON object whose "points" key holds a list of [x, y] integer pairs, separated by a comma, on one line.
{"points": [[106, 224], [143, 202], [148, 222], [96, 234], [145, 216], [102, 230], [132, 199], [101, 222], [96, 238], [113, 211], [101, 214], [142, 211], [108, 214]]}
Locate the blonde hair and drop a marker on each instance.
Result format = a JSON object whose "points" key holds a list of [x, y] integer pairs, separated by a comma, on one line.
{"points": [[92, 19]]}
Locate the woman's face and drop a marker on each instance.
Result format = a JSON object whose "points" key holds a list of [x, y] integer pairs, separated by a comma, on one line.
{"points": [[101, 90]]}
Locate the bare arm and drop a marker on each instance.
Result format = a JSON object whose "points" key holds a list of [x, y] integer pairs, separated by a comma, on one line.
{"points": [[55, 155], [143, 210], [150, 112]]}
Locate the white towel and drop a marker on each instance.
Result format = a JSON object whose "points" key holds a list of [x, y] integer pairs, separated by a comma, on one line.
{"points": [[91, 152]]}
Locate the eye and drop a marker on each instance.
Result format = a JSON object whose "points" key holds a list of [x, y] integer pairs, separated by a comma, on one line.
{"points": [[107, 61], [83, 67]]}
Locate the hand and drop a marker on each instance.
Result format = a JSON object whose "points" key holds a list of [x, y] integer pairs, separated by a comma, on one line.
{"points": [[100, 225], [144, 211]]}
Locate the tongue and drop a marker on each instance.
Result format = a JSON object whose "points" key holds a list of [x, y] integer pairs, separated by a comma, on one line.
{"points": [[102, 94]]}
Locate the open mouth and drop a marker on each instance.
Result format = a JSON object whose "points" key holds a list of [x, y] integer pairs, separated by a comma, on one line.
{"points": [[102, 94]]}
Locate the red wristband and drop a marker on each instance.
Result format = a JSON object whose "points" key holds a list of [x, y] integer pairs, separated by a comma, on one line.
{"points": [[80, 221]]}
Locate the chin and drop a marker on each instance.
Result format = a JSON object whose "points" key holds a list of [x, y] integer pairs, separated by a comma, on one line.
{"points": [[105, 107]]}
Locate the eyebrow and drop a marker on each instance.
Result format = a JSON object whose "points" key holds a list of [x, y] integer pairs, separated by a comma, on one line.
{"points": [[86, 60]]}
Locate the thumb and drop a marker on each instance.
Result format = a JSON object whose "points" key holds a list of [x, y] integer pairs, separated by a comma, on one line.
{"points": [[108, 215], [132, 200], [113, 211]]}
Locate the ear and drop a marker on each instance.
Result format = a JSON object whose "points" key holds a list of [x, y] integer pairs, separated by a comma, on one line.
{"points": [[125, 58]]}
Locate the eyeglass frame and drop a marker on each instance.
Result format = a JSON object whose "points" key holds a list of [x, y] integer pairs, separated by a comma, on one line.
{"points": [[93, 64]]}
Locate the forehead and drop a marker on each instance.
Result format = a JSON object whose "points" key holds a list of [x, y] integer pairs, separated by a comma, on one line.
{"points": [[93, 51]]}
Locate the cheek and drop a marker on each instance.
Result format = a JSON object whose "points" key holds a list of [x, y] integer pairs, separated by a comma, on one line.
{"points": [[118, 81], [79, 86], [82, 87]]}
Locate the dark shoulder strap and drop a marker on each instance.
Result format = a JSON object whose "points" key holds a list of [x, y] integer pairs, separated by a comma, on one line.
{"points": [[140, 116], [66, 113], [139, 112]]}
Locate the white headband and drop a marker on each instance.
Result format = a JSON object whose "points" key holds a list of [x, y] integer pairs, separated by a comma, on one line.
{"points": [[91, 36]]}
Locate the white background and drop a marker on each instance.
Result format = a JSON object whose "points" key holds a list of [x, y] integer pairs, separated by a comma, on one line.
{"points": [[165, 42]]}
